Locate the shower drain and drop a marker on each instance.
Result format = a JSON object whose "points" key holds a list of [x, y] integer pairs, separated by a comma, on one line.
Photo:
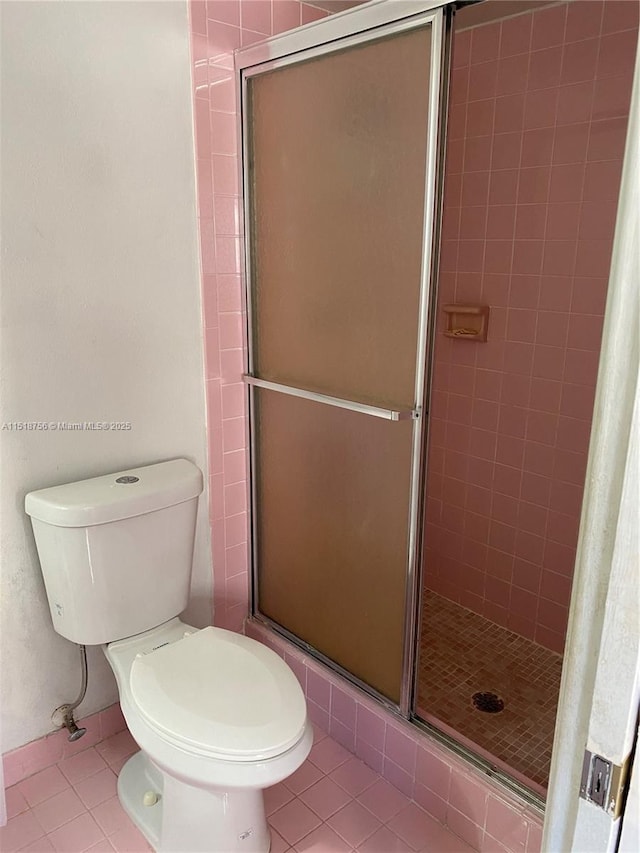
{"points": [[490, 703]]}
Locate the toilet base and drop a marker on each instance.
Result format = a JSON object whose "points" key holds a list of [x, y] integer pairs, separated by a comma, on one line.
{"points": [[186, 819], [137, 776]]}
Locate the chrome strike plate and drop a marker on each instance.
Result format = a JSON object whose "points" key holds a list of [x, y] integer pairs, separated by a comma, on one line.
{"points": [[603, 783]]}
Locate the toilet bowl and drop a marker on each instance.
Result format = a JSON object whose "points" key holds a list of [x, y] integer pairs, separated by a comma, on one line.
{"points": [[218, 716]]}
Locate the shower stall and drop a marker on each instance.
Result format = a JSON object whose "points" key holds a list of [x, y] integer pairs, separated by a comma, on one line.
{"points": [[430, 197]]}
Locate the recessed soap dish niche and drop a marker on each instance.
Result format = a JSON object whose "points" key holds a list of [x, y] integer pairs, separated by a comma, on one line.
{"points": [[466, 322]]}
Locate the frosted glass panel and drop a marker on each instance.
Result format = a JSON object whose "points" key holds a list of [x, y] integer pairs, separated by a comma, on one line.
{"points": [[332, 531], [337, 152]]}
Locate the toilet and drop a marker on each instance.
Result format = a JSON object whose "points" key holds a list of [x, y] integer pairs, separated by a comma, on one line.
{"points": [[218, 716]]}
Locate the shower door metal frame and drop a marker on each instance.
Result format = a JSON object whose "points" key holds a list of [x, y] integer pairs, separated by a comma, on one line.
{"points": [[351, 28]]}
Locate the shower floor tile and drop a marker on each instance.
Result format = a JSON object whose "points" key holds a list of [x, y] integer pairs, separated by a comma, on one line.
{"points": [[462, 653]]}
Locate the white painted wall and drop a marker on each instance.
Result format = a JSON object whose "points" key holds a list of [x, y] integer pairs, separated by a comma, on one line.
{"points": [[101, 314]]}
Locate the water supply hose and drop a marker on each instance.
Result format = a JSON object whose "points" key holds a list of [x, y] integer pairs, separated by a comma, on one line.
{"points": [[66, 711]]}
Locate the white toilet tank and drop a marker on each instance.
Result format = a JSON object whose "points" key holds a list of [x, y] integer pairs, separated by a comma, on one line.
{"points": [[116, 551]]}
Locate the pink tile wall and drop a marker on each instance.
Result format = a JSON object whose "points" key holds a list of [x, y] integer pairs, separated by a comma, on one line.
{"points": [[475, 808], [218, 27], [536, 139]]}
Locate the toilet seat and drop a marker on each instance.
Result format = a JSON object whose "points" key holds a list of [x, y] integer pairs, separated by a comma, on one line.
{"points": [[219, 694]]}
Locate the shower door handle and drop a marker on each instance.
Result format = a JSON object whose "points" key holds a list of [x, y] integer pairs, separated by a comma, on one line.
{"points": [[338, 402]]}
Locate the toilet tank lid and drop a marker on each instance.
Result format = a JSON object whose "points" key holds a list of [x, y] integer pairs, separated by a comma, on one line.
{"points": [[113, 497]]}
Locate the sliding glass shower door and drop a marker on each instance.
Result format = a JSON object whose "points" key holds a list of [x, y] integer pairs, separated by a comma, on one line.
{"points": [[340, 147]]}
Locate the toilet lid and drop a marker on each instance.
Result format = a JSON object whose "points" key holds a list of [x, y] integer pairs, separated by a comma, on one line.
{"points": [[222, 694]]}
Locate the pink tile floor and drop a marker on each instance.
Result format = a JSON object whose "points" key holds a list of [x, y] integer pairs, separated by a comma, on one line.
{"points": [[333, 804]]}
